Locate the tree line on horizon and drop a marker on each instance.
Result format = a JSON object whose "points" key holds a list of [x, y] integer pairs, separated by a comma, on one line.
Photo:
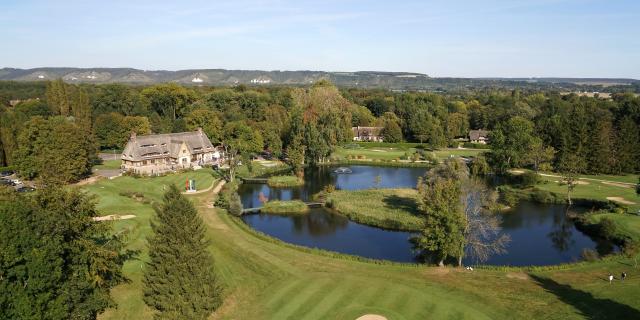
{"points": [[536, 129]]}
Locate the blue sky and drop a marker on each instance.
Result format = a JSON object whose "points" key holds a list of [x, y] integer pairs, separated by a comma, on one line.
{"points": [[484, 38]]}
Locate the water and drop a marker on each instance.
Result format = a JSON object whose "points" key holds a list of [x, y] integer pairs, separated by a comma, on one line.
{"points": [[540, 233]]}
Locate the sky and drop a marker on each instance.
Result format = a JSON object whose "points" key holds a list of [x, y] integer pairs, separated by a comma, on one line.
{"points": [[453, 38]]}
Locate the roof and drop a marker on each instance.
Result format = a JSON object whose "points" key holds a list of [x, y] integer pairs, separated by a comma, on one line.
{"points": [[477, 134], [163, 145], [366, 131]]}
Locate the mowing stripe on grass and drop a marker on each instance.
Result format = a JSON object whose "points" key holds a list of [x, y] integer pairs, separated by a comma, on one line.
{"points": [[302, 310], [328, 303], [294, 298], [280, 295]]}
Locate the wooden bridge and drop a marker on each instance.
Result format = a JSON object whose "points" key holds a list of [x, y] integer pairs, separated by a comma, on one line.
{"points": [[254, 180], [257, 209]]}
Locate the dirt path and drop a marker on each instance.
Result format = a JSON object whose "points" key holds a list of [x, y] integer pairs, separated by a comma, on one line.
{"points": [[620, 200], [608, 182], [204, 190]]}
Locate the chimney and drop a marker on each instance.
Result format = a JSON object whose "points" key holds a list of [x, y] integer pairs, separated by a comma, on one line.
{"points": [[133, 136], [200, 130]]}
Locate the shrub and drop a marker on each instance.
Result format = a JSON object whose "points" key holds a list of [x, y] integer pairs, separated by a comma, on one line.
{"points": [[589, 255], [607, 228], [235, 205], [543, 196], [529, 179], [329, 188]]}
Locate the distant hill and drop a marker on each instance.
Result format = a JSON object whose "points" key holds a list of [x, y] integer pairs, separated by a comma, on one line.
{"points": [[222, 77]]}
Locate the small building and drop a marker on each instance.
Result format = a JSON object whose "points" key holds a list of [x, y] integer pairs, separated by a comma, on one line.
{"points": [[367, 134], [160, 153], [479, 136]]}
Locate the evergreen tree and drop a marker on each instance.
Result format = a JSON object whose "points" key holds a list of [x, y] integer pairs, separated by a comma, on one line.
{"points": [[628, 145], [180, 282]]}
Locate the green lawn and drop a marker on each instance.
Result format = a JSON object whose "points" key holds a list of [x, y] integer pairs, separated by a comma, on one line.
{"points": [[109, 164], [267, 279], [386, 208], [627, 225], [589, 189], [128, 296], [381, 151]]}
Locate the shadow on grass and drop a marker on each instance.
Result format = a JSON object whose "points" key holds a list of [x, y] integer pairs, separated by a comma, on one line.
{"points": [[589, 306], [404, 203]]}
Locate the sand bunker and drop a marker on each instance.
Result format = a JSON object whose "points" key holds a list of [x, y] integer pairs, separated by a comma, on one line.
{"points": [[620, 200], [114, 217], [617, 184], [372, 317]]}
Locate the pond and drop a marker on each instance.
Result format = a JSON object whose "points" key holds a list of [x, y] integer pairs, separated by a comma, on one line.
{"points": [[541, 234]]}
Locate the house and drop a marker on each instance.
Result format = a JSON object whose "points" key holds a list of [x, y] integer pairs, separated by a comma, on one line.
{"points": [[159, 153], [367, 134], [479, 136]]}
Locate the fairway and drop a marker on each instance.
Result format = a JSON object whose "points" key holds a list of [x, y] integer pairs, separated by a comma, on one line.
{"points": [[268, 279]]}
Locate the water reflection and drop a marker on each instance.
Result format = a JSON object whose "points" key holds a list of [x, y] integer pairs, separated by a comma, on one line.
{"points": [[540, 234]]}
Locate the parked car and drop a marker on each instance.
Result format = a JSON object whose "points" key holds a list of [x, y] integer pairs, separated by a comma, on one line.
{"points": [[6, 173], [25, 189], [5, 182], [16, 181]]}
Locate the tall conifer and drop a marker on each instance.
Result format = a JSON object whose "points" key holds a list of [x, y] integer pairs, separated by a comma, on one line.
{"points": [[180, 280]]}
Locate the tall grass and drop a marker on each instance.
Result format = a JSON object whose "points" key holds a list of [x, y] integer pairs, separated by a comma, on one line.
{"points": [[394, 209]]}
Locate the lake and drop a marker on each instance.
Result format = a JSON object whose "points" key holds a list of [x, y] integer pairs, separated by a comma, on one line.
{"points": [[541, 234]]}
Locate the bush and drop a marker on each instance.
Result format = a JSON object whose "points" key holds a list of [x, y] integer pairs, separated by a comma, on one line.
{"points": [[543, 196], [607, 228], [235, 205], [529, 179], [589, 255]]}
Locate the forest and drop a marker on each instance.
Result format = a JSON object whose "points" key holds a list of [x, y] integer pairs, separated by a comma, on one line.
{"points": [[542, 130]]}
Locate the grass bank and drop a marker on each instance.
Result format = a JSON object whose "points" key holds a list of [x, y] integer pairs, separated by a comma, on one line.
{"points": [[285, 207], [266, 279], [386, 208], [284, 181], [108, 164]]}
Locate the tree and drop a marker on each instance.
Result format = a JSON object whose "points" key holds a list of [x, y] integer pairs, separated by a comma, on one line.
{"points": [[55, 150], [483, 232], [391, 131], [511, 143], [58, 97], [121, 99], [208, 120], [540, 156], [179, 279], [55, 261], [570, 166], [240, 140], [169, 100], [628, 145], [439, 202]]}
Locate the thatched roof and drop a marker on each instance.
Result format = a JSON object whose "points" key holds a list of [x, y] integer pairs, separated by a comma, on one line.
{"points": [[162, 145]]}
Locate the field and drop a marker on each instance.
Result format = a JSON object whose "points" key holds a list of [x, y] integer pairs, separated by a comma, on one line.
{"points": [[267, 279], [385, 208]]}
